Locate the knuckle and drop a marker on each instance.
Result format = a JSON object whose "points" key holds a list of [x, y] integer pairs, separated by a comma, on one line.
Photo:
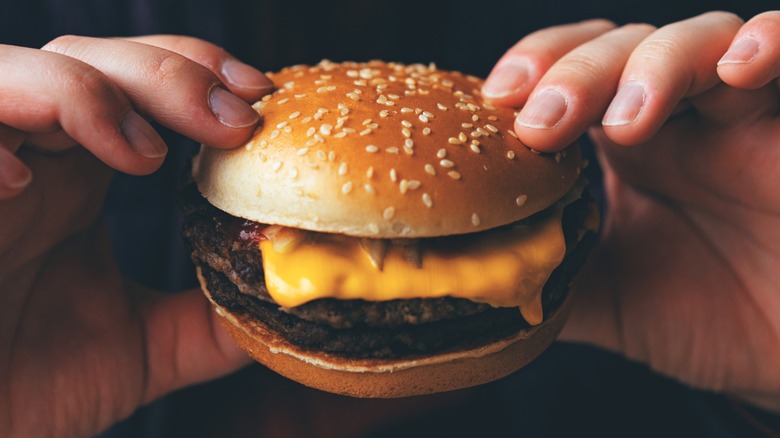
{"points": [[585, 65], [645, 28], [166, 67], [60, 44], [83, 80]]}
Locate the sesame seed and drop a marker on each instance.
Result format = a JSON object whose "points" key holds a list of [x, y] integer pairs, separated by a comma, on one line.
{"points": [[372, 126], [388, 213], [475, 148], [371, 148], [294, 173], [274, 134], [406, 123], [491, 128], [373, 228], [365, 132], [343, 168], [462, 137], [441, 153], [302, 151], [369, 189], [346, 187], [428, 114], [483, 132], [394, 96], [520, 201], [418, 110], [340, 122], [426, 131], [295, 115], [423, 118], [311, 142], [318, 116], [446, 163], [353, 96], [406, 132], [352, 73], [383, 113], [370, 172], [249, 146], [492, 118], [453, 140], [331, 156], [319, 138], [467, 125], [267, 97], [360, 83], [403, 186], [366, 122], [306, 119], [430, 170], [454, 174], [413, 184], [263, 143], [276, 166], [441, 107], [409, 142], [341, 134], [322, 155], [326, 129], [300, 96], [409, 150], [511, 132], [406, 110], [488, 106], [474, 118], [426, 199], [392, 150], [393, 175], [287, 129], [510, 155], [283, 101]]}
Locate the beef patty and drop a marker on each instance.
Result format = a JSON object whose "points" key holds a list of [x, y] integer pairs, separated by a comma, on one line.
{"points": [[232, 267]]}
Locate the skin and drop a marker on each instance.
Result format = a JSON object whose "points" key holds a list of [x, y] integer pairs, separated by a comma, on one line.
{"points": [[682, 280], [685, 276]]}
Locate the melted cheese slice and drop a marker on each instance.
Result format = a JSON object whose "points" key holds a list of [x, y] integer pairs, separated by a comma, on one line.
{"points": [[504, 268]]}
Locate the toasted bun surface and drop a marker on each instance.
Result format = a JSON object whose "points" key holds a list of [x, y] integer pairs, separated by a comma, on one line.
{"points": [[373, 378], [383, 150]]}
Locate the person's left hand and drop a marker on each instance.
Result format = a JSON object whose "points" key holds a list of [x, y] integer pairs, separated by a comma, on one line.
{"points": [[685, 278]]}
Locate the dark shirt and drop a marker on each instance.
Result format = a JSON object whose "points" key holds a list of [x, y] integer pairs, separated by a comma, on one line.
{"points": [[571, 390]]}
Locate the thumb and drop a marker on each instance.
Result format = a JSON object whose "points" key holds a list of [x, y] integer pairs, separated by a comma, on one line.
{"points": [[595, 306], [185, 344]]}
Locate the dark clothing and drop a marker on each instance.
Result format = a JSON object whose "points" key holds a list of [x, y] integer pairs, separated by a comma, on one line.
{"points": [[570, 390]]}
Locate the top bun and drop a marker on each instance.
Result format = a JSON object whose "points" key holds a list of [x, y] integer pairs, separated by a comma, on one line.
{"points": [[383, 150]]}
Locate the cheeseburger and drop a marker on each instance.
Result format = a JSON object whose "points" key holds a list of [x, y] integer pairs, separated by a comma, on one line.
{"points": [[384, 233]]}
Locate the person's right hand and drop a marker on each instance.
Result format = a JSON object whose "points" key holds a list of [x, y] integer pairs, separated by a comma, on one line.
{"points": [[80, 346]]}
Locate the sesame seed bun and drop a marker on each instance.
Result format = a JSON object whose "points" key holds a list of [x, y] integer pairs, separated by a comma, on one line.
{"points": [[383, 150], [377, 378]]}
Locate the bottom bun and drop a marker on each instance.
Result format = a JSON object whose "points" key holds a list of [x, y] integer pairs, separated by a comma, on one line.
{"points": [[377, 378]]}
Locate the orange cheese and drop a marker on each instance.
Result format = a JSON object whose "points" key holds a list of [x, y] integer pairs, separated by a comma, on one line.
{"points": [[504, 268]]}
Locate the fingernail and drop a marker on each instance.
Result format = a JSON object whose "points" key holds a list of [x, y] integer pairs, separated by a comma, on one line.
{"points": [[13, 174], [506, 79], [244, 76], [626, 105], [230, 109], [742, 51], [142, 137], [544, 110]]}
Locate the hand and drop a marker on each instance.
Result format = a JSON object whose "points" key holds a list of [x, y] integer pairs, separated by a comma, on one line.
{"points": [[686, 275], [80, 346]]}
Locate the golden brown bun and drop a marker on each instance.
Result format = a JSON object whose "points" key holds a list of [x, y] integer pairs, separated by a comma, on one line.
{"points": [[345, 148], [372, 378]]}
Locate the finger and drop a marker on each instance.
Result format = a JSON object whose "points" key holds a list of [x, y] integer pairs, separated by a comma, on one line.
{"points": [[14, 175], [243, 80], [677, 61], [518, 71], [179, 93], [753, 58], [576, 90], [185, 344], [45, 92]]}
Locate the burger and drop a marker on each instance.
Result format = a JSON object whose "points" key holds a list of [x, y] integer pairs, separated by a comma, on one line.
{"points": [[384, 233]]}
